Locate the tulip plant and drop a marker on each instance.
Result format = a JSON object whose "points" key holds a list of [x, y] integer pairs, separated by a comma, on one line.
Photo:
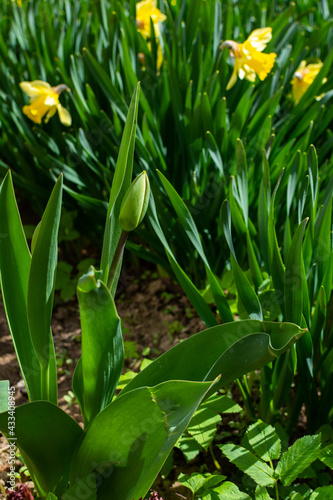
{"points": [[126, 437]]}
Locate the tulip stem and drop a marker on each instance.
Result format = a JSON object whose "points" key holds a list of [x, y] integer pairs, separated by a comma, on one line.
{"points": [[116, 258]]}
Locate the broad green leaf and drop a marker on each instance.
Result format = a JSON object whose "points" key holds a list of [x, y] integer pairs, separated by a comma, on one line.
{"points": [[47, 438], [41, 286], [199, 483], [231, 349], [139, 429], [228, 491], [14, 269], [189, 447], [326, 455], [262, 493], [297, 458], [102, 344], [4, 387], [203, 426], [86, 487], [258, 470], [221, 404], [264, 441], [295, 495], [323, 493], [51, 496]]}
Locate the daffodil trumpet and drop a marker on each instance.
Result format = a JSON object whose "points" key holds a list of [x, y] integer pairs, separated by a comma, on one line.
{"points": [[249, 58], [44, 101]]}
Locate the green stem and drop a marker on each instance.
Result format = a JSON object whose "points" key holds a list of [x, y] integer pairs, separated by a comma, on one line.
{"points": [[276, 485], [217, 465], [247, 400], [116, 258]]}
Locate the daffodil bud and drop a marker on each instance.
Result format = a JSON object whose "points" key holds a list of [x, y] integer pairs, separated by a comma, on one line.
{"points": [[135, 203]]}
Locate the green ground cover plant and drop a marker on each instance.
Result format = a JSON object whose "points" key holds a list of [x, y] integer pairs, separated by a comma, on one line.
{"points": [[276, 471]]}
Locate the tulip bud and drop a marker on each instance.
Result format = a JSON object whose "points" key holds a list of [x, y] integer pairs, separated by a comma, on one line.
{"points": [[135, 203]]}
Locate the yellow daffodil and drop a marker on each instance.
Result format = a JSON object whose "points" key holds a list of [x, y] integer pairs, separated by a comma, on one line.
{"points": [[249, 59], [303, 78], [146, 10], [44, 100]]}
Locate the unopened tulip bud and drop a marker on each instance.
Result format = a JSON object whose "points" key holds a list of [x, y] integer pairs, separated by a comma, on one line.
{"points": [[135, 203]]}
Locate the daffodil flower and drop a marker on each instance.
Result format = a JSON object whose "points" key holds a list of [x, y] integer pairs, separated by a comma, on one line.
{"points": [[303, 78], [146, 10], [249, 59], [44, 100]]}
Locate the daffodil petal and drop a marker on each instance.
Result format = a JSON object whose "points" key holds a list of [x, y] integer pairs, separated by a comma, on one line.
{"points": [[35, 88], [232, 80], [50, 113], [259, 38], [64, 115], [146, 10]]}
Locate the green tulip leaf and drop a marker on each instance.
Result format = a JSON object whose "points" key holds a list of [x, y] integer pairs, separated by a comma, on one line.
{"points": [[128, 442], [15, 261], [102, 345], [47, 438], [231, 349]]}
